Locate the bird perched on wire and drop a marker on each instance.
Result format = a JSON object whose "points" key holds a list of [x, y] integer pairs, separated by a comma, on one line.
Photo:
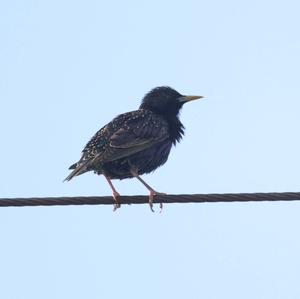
{"points": [[136, 142]]}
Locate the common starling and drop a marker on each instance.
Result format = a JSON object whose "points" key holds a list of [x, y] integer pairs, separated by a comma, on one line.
{"points": [[136, 142]]}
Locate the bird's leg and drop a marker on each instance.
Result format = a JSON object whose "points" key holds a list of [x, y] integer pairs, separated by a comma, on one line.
{"points": [[151, 190], [115, 193]]}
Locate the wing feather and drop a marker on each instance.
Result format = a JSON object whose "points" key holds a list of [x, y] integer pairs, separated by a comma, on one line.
{"points": [[127, 134], [134, 136]]}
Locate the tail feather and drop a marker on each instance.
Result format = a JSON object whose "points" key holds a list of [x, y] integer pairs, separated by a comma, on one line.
{"points": [[73, 166], [78, 168]]}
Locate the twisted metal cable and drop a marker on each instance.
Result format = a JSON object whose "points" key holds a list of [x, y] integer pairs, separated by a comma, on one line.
{"points": [[140, 199]]}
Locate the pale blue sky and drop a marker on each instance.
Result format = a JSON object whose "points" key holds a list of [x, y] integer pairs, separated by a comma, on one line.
{"points": [[68, 67]]}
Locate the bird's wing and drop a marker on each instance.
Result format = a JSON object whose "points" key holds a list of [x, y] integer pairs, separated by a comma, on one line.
{"points": [[134, 135], [127, 134]]}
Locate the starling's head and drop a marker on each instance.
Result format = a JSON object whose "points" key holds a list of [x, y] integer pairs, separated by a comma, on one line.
{"points": [[165, 100]]}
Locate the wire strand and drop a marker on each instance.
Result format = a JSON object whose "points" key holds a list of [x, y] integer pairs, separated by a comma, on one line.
{"points": [[141, 199]]}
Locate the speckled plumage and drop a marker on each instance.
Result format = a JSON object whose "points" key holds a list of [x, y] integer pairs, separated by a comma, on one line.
{"points": [[125, 142], [135, 142]]}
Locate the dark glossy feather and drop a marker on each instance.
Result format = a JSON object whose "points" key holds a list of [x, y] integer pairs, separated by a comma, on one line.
{"points": [[117, 143], [137, 141]]}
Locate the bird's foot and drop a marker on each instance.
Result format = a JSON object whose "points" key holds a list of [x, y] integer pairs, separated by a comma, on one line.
{"points": [[116, 197], [151, 196]]}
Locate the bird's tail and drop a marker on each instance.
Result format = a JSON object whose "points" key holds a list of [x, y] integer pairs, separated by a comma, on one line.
{"points": [[78, 168]]}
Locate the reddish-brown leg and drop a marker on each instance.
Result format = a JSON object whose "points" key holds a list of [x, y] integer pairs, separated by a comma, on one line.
{"points": [[115, 193], [151, 194]]}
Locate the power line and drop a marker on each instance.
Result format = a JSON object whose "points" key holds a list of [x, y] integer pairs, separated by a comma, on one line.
{"points": [[140, 199]]}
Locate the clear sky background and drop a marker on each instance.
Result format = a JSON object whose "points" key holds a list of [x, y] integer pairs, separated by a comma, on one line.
{"points": [[69, 67]]}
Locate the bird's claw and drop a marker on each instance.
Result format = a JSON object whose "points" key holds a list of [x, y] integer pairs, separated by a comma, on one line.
{"points": [[151, 196], [117, 204], [161, 205]]}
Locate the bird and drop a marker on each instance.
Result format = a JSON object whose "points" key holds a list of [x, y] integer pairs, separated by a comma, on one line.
{"points": [[136, 142]]}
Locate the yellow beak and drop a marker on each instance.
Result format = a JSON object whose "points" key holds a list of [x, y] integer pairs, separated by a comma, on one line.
{"points": [[189, 98]]}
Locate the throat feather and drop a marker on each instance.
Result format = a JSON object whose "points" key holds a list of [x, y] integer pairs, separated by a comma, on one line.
{"points": [[176, 130]]}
